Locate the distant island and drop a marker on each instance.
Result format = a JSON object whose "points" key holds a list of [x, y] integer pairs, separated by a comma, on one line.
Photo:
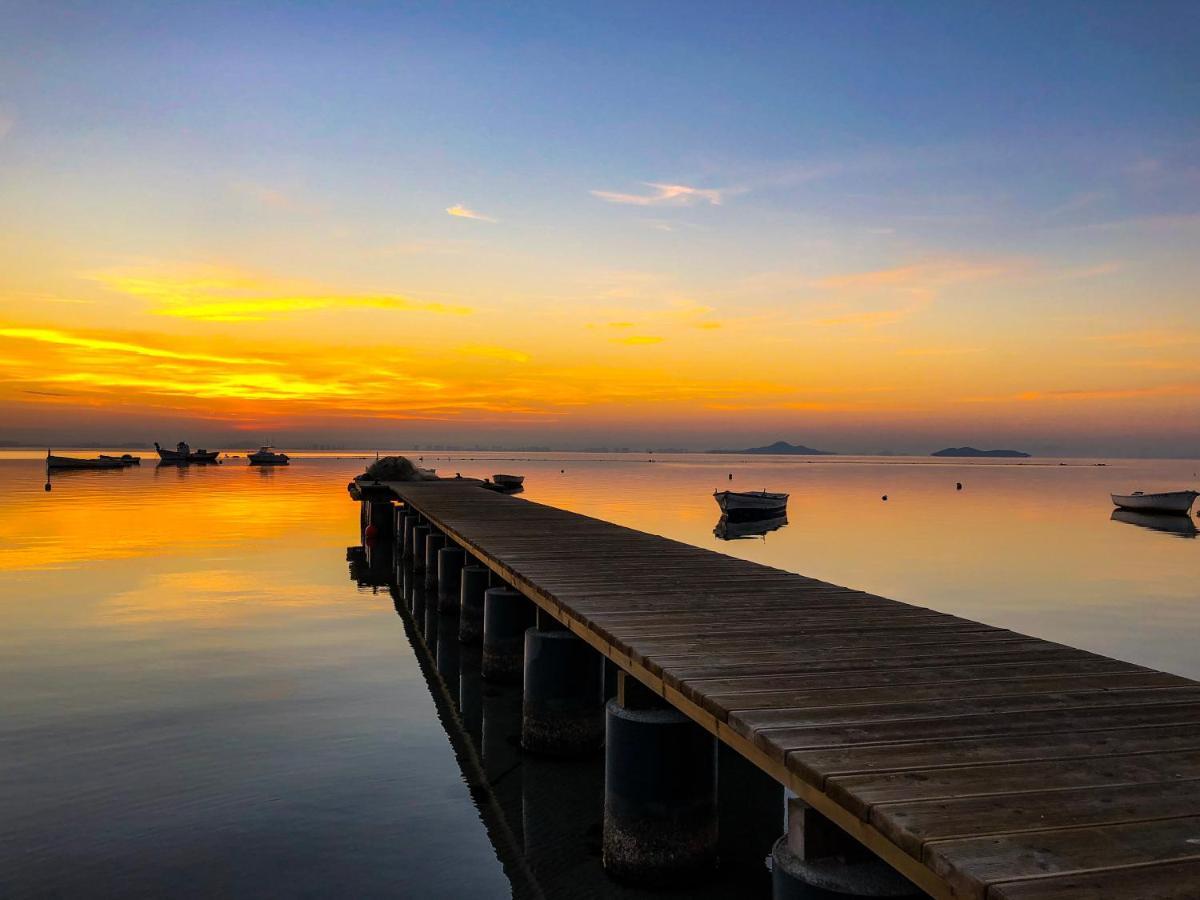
{"points": [[781, 448], [972, 451]]}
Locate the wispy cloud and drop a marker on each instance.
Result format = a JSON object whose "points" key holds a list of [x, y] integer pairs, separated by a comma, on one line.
{"points": [[464, 212], [665, 195], [53, 336], [221, 295]]}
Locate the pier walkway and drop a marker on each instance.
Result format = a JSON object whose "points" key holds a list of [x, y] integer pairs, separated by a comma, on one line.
{"points": [[977, 761]]}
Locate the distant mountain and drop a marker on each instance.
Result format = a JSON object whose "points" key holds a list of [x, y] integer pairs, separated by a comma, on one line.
{"points": [[971, 451], [781, 448]]}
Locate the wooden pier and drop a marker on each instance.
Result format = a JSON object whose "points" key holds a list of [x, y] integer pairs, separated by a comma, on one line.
{"points": [[976, 761]]}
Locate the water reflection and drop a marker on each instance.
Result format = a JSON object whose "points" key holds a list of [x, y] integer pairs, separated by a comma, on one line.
{"points": [[736, 529], [1178, 525]]}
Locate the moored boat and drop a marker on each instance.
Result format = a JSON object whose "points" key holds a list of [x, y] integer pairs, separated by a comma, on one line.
{"points": [[509, 481], [72, 462], [125, 459], [267, 456], [757, 503], [185, 454], [1177, 502]]}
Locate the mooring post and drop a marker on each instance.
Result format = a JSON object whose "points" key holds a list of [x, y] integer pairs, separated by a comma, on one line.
{"points": [[411, 520], [449, 578], [382, 517], [399, 515], [419, 534], [506, 615], [434, 542], [563, 708], [816, 860], [470, 612], [660, 790]]}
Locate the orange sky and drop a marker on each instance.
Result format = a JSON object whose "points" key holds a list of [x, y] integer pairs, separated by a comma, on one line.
{"points": [[238, 267]]}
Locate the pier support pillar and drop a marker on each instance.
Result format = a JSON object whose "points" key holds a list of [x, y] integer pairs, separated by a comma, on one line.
{"points": [[380, 514], [419, 534], [406, 521], [434, 542], [563, 710], [470, 611], [660, 791], [816, 860], [506, 615], [449, 578]]}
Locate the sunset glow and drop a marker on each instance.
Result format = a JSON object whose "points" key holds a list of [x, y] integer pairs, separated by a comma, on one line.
{"points": [[417, 233]]}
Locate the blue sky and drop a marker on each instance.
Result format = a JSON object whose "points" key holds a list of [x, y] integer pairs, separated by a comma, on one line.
{"points": [[326, 142]]}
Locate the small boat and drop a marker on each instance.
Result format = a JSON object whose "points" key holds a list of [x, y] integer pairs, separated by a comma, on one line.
{"points": [[184, 454], [125, 459], [509, 481], [751, 503], [267, 456], [72, 462], [1171, 523], [728, 529], [1178, 502]]}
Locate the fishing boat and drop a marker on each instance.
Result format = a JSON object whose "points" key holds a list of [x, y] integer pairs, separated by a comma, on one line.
{"points": [[185, 454], [509, 481], [1178, 502], [72, 462], [125, 459], [267, 456], [751, 503]]}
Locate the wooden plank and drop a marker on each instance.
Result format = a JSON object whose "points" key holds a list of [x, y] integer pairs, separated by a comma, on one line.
{"points": [[969, 865], [1150, 881], [912, 824], [1178, 729], [860, 793]]}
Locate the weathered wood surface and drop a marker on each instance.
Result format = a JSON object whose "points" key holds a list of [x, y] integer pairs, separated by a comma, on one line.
{"points": [[980, 762]]}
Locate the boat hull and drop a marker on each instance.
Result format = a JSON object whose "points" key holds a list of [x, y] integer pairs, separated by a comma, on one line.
{"points": [[759, 503], [67, 462], [1177, 502]]}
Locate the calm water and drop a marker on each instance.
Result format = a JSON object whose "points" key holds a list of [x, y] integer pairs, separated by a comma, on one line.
{"points": [[198, 699]]}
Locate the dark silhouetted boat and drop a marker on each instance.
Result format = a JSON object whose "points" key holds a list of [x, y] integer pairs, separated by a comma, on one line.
{"points": [[72, 462], [184, 454], [125, 459], [508, 481], [267, 456]]}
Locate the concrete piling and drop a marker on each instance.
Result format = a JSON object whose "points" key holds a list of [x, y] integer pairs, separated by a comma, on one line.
{"points": [[506, 615], [470, 613], [419, 535], [449, 578], [660, 791], [563, 710], [411, 520], [434, 542], [816, 860]]}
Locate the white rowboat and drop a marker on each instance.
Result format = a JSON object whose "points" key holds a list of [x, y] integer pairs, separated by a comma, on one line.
{"points": [[756, 502], [1179, 502]]}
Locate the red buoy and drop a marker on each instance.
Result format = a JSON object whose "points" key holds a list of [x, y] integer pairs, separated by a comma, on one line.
{"points": [[370, 531]]}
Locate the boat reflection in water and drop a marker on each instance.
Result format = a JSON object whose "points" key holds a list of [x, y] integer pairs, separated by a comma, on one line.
{"points": [[544, 815], [1178, 525], [741, 528]]}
